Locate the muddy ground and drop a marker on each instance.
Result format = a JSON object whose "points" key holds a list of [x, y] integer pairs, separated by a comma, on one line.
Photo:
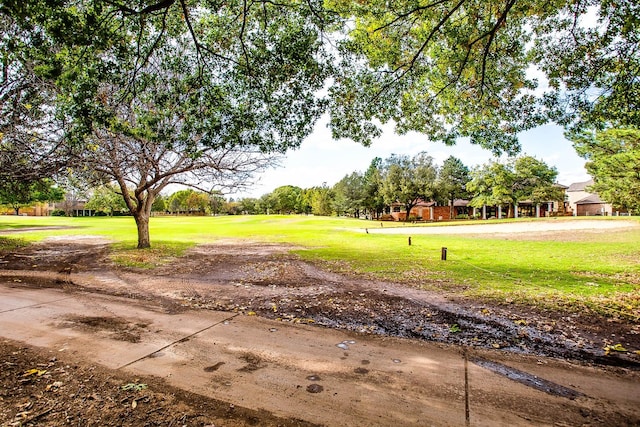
{"points": [[257, 280]]}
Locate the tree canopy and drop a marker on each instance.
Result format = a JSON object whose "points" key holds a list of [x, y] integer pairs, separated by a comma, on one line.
{"points": [[107, 199], [518, 179], [448, 69], [467, 68], [452, 180], [287, 199], [244, 75], [409, 180], [20, 193], [251, 70]]}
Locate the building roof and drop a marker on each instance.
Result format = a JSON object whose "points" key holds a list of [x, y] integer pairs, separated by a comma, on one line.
{"points": [[580, 186], [420, 203], [592, 199]]}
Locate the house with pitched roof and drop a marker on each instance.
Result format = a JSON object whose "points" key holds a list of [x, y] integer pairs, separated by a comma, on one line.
{"points": [[585, 203]]}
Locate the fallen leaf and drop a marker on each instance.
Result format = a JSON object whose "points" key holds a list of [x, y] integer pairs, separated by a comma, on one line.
{"points": [[55, 385], [134, 386], [38, 372], [616, 347]]}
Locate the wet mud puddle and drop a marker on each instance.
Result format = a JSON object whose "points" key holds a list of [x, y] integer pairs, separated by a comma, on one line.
{"points": [[527, 379]]}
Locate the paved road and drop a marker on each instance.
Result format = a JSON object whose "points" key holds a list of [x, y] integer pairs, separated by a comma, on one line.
{"points": [[320, 375]]}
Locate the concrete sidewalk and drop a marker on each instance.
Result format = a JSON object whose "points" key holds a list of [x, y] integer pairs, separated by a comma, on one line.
{"points": [[319, 375]]}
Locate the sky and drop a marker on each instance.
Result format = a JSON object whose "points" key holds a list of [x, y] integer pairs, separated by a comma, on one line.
{"points": [[320, 159]]}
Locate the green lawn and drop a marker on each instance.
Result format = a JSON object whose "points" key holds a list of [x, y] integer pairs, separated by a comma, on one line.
{"points": [[599, 272]]}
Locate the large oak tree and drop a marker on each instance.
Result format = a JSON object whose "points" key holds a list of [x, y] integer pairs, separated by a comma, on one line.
{"points": [[524, 178], [149, 93], [409, 180]]}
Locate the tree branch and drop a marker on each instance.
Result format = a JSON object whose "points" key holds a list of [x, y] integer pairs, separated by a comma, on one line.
{"points": [[409, 13], [164, 4], [492, 34], [417, 55]]}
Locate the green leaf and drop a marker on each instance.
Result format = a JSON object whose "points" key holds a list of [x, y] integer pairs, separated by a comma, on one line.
{"points": [[134, 387]]}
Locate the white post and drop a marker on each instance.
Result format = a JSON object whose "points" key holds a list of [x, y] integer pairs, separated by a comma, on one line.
{"points": [[499, 212], [538, 210], [515, 210], [484, 211]]}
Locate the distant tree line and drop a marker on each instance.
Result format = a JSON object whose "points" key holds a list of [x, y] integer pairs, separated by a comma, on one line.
{"points": [[399, 179]]}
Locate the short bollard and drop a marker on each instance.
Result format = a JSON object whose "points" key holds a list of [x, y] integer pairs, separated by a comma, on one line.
{"points": [[409, 241], [443, 255]]}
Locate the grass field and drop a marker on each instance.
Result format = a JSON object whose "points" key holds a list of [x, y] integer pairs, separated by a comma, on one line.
{"points": [[573, 270]]}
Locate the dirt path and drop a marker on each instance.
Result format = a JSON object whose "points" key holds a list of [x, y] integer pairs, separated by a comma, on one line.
{"points": [[265, 280], [264, 283], [562, 225]]}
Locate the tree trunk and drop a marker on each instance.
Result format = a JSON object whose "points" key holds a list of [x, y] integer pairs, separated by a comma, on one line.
{"points": [[451, 215], [408, 209], [17, 210], [142, 222]]}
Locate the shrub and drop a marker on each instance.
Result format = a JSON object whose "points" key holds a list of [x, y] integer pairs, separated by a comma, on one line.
{"points": [[58, 212]]}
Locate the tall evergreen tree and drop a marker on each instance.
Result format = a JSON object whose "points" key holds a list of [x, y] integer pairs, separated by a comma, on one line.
{"points": [[452, 181], [349, 194], [613, 160], [373, 197]]}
